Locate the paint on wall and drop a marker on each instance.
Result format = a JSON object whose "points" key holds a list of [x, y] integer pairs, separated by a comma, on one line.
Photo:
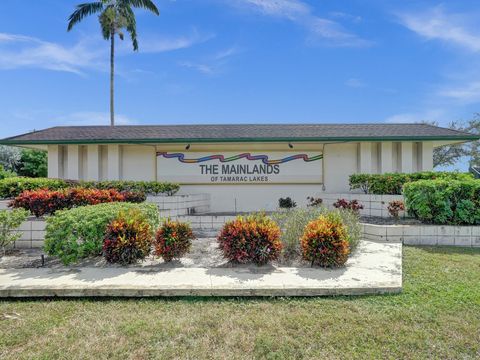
{"points": [[243, 168]]}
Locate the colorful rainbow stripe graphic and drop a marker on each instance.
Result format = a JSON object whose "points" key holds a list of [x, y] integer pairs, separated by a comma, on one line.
{"points": [[248, 156]]}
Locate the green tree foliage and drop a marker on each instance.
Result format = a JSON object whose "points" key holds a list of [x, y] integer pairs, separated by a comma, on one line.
{"points": [[450, 154], [33, 163], [9, 157]]}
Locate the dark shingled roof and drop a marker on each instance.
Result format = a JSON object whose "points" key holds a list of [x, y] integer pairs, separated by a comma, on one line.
{"points": [[230, 133]]}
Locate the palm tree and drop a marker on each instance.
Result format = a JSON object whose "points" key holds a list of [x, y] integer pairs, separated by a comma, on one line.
{"points": [[114, 16]]}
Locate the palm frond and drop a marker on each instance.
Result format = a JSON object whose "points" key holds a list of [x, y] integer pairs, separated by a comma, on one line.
{"points": [[130, 24], [141, 4], [82, 11]]}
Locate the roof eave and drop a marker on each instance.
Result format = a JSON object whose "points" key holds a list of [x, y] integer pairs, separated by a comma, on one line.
{"points": [[236, 140]]}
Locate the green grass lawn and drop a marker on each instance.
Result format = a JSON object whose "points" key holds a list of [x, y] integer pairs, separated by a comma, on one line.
{"points": [[437, 316]]}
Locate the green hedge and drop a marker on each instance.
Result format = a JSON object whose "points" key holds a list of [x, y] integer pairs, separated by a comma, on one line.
{"points": [[13, 186], [147, 187], [392, 184], [5, 173], [78, 233], [445, 202]]}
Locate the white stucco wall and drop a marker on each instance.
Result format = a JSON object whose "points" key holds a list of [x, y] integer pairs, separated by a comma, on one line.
{"points": [[139, 162]]}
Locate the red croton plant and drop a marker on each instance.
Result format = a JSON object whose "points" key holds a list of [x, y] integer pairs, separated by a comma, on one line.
{"points": [[46, 202]]}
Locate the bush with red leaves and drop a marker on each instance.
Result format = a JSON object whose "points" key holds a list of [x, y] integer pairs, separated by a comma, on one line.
{"points": [[128, 238], [47, 202], [344, 204], [173, 240], [254, 238], [325, 241]]}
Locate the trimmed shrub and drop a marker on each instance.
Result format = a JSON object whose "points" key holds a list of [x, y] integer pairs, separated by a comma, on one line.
{"points": [[392, 184], [14, 186], [47, 202], [146, 187], [173, 240], [293, 223], [312, 201], [5, 173], [394, 208], [9, 221], [128, 238], [286, 203], [79, 233], [253, 238], [325, 241], [353, 205], [444, 201]]}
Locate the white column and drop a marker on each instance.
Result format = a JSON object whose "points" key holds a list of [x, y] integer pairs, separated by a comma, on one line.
{"points": [[365, 158], [53, 161], [93, 162], [387, 157], [407, 157], [73, 163], [427, 156], [113, 162]]}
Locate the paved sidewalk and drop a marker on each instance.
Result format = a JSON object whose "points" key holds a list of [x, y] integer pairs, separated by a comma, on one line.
{"points": [[375, 268]]}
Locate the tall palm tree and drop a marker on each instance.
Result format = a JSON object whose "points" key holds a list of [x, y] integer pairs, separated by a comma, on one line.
{"points": [[114, 16]]}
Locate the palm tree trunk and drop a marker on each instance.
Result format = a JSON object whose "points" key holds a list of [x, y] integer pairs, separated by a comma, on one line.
{"points": [[112, 76]]}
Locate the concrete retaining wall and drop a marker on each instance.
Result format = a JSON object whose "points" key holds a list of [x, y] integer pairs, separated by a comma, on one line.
{"points": [[4, 204], [373, 205], [33, 234], [178, 205], [468, 236]]}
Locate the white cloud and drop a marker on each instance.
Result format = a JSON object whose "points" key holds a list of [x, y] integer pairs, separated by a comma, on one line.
{"points": [[302, 14], [92, 118], [213, 64], [159, 43], [467, 93], [355, 83], [410, 118], [437, 24], [203, 68], [20, 51]]}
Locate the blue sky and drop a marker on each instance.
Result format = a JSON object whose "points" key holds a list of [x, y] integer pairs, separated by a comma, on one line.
{"points": [[244, 61]]}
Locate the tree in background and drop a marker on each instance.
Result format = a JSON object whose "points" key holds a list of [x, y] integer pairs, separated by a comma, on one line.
{"points": [[114, 16], [32, 163], [449, 155], [9, 157]]}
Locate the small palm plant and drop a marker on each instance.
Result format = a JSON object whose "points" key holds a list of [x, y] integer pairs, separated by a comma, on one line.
{"points": [[115, 16]]}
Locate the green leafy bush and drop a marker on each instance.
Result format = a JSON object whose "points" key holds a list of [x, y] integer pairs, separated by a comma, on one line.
{"points": [[147, 187], [173, 240], [392, 184], [293, 223], [14, 186], [444, 201], [128, 238], [286, 203], [78, 233], [32, 163], [9, 221], [325, 241], [5, 173]]}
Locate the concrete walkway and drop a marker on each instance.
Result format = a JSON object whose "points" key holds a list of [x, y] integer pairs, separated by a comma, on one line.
{"points": [[375, 268]]}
